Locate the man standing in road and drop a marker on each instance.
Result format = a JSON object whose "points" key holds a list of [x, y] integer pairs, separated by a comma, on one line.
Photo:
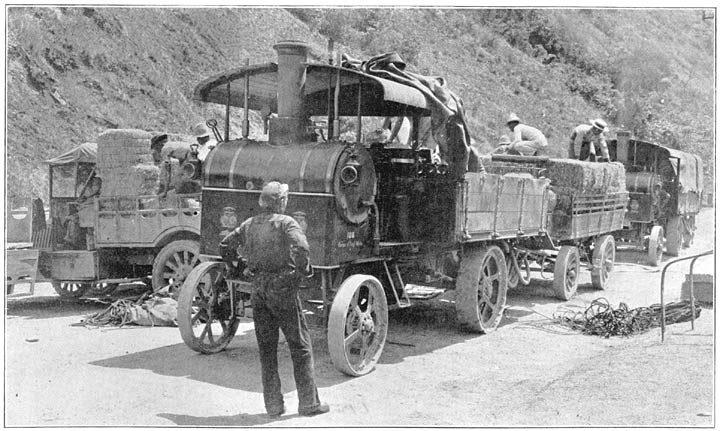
{"points": [[585, 140], [276, 253], [526, 140]]}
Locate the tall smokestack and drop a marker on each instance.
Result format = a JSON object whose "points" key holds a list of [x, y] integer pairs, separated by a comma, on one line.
{"points": [[623, 146], [289, 127]]}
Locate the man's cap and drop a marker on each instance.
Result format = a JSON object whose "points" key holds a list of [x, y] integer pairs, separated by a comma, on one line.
{"points": [[271, 193], [513, 118], [157, 140], [200, 130], [599, 124], [229, 209]]}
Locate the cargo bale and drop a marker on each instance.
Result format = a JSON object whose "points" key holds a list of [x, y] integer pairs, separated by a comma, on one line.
{"points": [[586, 177]]}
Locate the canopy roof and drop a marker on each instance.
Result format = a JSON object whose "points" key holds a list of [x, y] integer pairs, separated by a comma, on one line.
{"points": [[379, 97], [691, 169], [83, 153]]}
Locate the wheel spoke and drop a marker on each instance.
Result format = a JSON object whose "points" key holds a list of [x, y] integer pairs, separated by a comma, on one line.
{"points": [[350, 339], [172, 266]]}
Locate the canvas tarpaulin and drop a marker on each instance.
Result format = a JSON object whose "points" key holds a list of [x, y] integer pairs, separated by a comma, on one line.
{"points": [[447, 122], [83, 153]]}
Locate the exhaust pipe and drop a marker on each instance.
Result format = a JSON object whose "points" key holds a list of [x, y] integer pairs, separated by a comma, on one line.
{"points": [[289, 127]]}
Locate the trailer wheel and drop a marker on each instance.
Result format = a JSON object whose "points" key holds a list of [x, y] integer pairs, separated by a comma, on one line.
{"points": [[673, 236], [567, 266], [481, 289], [102, 288], [174, 263], [603, 261], [204, 309], [357, 325], [655, 245], [70, 289]]}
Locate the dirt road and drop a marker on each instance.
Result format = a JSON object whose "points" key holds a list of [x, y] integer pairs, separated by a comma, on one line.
{"points": [[530, 372]]}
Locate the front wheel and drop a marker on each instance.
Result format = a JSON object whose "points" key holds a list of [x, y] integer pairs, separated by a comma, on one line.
{"points": [[481, 289], [205, 318], [656, 245], [357, 325]]}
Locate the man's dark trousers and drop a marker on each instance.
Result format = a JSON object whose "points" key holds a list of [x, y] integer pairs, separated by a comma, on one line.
{"points": [[278, 307]]}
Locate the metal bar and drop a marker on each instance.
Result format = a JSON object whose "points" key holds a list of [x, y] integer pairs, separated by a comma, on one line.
{"points": [[358, 133], [246, 105], [330, 112], [662, 289], [336, 109]]}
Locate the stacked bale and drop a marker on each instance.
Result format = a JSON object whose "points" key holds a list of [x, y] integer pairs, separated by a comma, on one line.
{"points": [[568, 176], [125, 164]]}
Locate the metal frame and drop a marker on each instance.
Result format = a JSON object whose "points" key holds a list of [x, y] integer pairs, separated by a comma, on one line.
{"points": [[692, 289]]}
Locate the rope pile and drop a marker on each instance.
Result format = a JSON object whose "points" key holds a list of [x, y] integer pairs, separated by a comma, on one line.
{"points": [[116, 314], [601, 319]]}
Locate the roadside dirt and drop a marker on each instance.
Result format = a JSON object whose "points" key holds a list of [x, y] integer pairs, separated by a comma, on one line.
{"points": [[530, 372]]}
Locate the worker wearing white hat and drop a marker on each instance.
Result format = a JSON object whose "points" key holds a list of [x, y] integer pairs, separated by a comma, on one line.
{"points": [[585, 140], [526, 140], [205, 142]]}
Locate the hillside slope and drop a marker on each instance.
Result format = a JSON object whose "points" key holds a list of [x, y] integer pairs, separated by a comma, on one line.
{"points": [[73, 72]]}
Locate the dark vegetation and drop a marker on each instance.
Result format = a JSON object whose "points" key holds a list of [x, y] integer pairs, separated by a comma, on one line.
{"points": [[73, 72]]}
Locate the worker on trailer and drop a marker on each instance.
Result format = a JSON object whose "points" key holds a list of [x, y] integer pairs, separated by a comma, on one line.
{"points": [[276, 253], [585, 140], [526, 140], [205, 142]]}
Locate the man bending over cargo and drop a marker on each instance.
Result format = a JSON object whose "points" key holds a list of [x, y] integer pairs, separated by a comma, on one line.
{"points": [[526, 140], [585, 140]]}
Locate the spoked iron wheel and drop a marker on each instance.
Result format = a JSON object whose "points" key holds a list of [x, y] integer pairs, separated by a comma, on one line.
{"points": [[204, 313], [70, 289], [481, 289], [357, 325], [567, 266], [174, 263], [603, 261]]}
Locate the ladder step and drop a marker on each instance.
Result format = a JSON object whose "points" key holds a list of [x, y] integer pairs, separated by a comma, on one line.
{"points": [[416, 291]]}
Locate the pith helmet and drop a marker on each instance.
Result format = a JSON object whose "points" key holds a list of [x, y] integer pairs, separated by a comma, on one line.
{"points": [[513, 118], [200, 130], [599, 124], [272, 193]]}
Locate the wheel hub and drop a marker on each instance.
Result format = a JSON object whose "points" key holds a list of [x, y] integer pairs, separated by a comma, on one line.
{"points": [[367, 324]]}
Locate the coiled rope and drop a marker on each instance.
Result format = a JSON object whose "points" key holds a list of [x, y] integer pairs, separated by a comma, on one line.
{"points": [[601, 319]]}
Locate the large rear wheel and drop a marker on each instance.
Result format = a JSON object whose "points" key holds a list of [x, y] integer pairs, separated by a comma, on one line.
{"points": [[205, 318], [567, 266], [481, 289], [357, 325], [603, 261], [174, 263]]}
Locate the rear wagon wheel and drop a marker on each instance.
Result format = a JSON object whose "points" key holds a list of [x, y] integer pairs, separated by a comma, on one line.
{"points": [[70, 289], [567, 266], [174, 263], [603, 261], [656, 245]]}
